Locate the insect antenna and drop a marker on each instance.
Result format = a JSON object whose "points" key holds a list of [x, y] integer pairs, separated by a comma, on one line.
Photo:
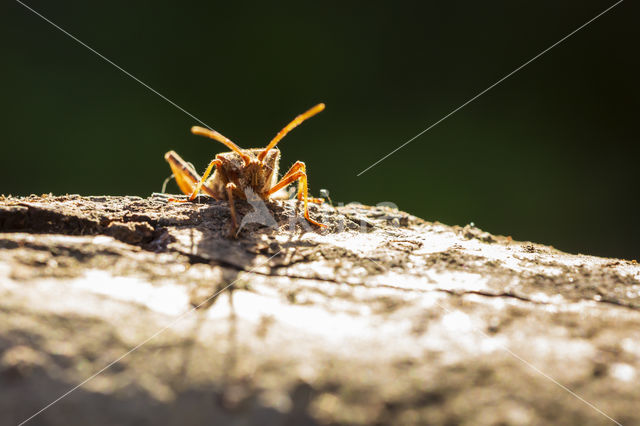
{"points": [[197, 130], [282, 133]]}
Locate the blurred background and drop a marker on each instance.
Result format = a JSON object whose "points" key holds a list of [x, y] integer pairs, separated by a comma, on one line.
{"points": [[549, 155]]}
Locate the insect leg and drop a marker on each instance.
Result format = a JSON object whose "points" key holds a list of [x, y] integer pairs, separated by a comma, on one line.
{"points": [[299, 165], [230, 188], [297, 172], [186, 177], [199, 186]]}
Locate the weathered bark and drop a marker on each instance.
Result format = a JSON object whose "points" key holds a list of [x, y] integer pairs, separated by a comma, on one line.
{"points": [[382, 318]]}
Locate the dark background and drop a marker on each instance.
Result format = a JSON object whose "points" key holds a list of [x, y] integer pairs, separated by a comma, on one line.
{"points": [[549, 155]]}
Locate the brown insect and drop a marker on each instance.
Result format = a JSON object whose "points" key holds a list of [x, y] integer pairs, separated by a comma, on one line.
{"points": [[241, 170]]}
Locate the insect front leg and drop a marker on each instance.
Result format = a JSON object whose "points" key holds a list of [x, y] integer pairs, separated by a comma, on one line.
{"points": [[215, 162], [298, 166], [298, 172], [230, 188]]}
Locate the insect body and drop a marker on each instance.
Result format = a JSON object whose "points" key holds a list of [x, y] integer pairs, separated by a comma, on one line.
{"points": [[240, 170]]}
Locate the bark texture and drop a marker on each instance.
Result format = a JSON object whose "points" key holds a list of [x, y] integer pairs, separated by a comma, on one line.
{"points": [[380, 318]]}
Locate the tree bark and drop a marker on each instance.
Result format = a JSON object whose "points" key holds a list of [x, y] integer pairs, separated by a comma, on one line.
{"points": [[381, 317]]}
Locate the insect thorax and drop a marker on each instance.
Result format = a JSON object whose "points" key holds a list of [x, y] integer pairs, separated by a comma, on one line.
{"points": [[260, 178]]}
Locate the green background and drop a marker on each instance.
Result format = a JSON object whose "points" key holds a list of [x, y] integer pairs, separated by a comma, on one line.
{"points": [[549, 155]]}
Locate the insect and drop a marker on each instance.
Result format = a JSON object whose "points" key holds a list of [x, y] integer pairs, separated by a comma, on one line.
{"points": [[244, 170]]}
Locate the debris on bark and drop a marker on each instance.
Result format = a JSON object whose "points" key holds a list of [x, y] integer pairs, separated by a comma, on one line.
{"points": [[379, 318]]}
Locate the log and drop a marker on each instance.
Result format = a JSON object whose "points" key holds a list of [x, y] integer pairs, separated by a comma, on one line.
{"points": [[129, 310]]}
